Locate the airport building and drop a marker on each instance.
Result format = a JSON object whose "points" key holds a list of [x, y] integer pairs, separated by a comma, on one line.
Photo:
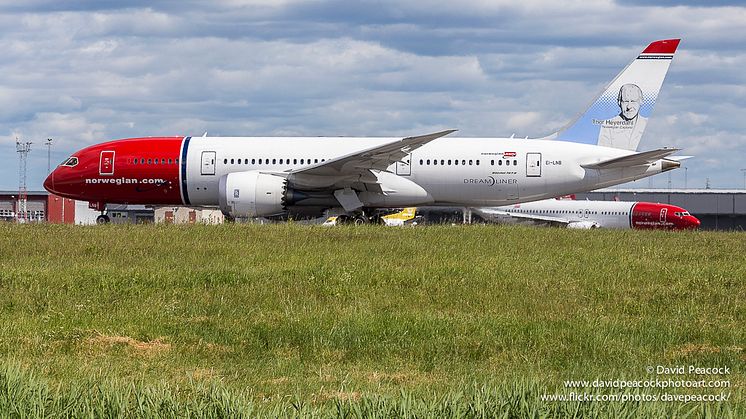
{"points": [[717, 209], [40, 207]]}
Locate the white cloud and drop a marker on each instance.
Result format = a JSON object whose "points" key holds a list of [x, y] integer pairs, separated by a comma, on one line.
{"points": [[488, 68]]}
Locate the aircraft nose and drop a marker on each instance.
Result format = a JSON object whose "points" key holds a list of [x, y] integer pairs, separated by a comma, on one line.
{"points": [[695, 222], [49, 182]]}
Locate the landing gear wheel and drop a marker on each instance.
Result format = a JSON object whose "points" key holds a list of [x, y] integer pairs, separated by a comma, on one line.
{"points": [[360, 220], [102, 219]]}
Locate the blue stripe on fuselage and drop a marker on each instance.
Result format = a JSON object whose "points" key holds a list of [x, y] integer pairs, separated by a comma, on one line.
{"points": [[184, 192]]}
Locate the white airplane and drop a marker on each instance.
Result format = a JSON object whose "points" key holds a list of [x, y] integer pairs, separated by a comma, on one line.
{"points": [[313, 176], [594, 214]]}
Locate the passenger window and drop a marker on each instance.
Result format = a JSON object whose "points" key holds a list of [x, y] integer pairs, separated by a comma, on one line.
{"points": [[421, 162], [428, 162], [133, 161], [515, 162], [477, 162], [245, 161], [315, 161], [470, 161], [150, 161], [492, 162], [435, 162], [233, 161], [463, 162], [455, 162], [253, 161]]}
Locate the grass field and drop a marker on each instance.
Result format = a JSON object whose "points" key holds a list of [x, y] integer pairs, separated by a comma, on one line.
{"points": [[299, 320]]}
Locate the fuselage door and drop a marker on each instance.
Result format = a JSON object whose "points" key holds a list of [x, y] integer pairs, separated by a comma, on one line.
{"points": [[404, 166], [106, 163], [208, 163], [533, 164], [664, 211]]}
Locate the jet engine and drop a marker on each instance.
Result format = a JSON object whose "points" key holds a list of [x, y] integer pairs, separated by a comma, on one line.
{"points": [[583, 225], [252, 194]]}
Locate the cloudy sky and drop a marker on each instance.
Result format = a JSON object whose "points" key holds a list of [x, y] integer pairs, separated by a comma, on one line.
{"points": [[83, 72]]}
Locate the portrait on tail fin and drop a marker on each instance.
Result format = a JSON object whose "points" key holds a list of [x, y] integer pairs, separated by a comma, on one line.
{"points": [[631, 95], [624, 130]]}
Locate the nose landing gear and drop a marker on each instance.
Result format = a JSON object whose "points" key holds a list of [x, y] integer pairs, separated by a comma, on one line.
{"points": [[100, 206]]}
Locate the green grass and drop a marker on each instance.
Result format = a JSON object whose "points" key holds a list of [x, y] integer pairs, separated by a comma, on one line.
{"points": [[288, 319]]}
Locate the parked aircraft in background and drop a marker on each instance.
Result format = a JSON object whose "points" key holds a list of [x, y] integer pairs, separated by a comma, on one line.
{"points": [[309, 177], [594, 214], [406, 216]]}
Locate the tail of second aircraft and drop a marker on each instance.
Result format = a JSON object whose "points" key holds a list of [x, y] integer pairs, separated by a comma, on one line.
{"points": [[618, 116]]}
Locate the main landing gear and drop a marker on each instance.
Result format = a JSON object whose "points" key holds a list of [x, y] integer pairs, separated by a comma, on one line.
{"points": [[103, 219], [358, 219]]}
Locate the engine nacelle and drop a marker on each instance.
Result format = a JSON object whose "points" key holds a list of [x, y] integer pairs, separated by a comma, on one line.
{"points": [[252, 194], [583, 225]]}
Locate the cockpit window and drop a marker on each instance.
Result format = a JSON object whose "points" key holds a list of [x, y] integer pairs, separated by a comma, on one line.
{"points": [[71, 162]]}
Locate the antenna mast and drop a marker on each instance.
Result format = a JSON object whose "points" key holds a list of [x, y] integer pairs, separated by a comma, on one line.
{"points": [[23, 149]]}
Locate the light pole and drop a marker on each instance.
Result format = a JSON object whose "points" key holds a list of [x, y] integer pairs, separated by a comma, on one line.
{"points": [[686, 172], [744, 178], [49, 154]]}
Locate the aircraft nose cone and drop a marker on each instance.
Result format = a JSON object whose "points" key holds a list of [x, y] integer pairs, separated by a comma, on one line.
{"points": [[695, 222], [49, 183]]}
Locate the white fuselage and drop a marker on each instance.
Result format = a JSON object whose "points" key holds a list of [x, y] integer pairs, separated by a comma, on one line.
{"points": [[603, 214], [460, 171]]}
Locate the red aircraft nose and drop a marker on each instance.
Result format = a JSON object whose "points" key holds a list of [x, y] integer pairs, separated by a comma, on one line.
{"points": [[49, 183], [693, 222], [63, 181]]}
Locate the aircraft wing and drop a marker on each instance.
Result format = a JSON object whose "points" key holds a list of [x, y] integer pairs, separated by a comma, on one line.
{"points": [[533, 217], [379, 157], [636, 159], [356, 167]]}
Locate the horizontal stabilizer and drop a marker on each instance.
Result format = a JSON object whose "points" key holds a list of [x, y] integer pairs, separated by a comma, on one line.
{"points": [[637, 159]]}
